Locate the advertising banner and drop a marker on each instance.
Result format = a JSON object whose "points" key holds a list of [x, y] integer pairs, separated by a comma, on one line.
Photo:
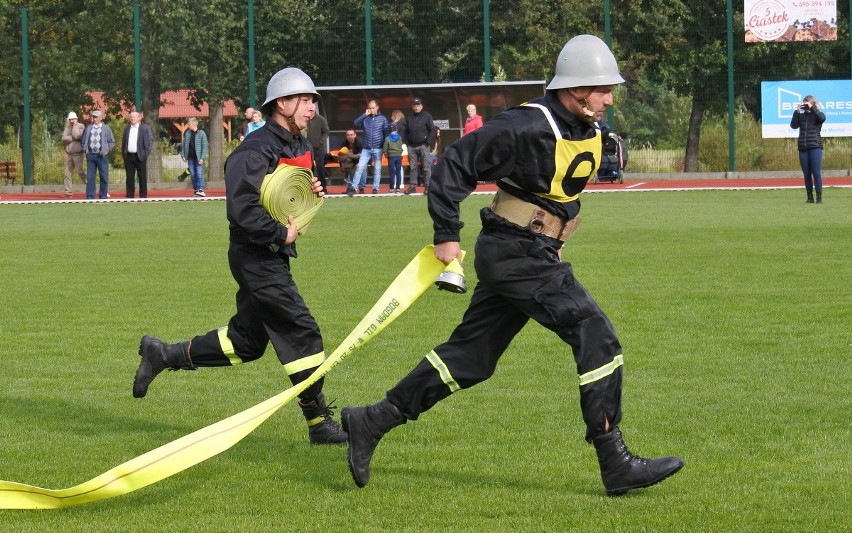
{"points": [[779, 100], [790, 20]]}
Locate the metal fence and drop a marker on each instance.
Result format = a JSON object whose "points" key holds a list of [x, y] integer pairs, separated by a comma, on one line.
{"points": [[59, 53]]}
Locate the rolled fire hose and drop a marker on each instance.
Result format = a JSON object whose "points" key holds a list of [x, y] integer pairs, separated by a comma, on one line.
{"points": [[287, 191]]}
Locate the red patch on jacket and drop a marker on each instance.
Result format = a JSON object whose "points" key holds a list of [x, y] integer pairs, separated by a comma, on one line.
{"points": [[305, 160]]}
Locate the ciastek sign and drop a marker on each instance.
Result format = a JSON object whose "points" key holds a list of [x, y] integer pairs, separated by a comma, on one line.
{"points": [[790, 20]]}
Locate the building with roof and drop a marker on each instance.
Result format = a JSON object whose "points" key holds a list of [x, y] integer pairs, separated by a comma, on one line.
{"points": [[175, 108]]}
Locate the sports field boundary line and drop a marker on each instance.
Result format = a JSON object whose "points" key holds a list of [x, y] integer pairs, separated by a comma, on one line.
{"points": [[171, 195]]}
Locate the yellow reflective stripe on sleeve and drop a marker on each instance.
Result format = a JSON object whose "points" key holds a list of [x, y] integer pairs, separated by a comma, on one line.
{"points": [[305, 363], [602, 372], [443, 371], [228, 347]]}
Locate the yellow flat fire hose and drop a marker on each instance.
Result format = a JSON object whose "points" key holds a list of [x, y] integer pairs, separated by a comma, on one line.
{"points": [[288, 191], [200, 445]]}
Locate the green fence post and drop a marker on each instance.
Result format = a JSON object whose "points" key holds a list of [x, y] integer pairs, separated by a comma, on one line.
{"points": [[137, 57], [368, 40], [486, 40], [25, 86], [608, 39], [731, 126], [250, 38]]}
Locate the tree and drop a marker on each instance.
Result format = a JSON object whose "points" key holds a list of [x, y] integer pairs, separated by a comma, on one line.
{"points": [[527, 35], [215, 66]]}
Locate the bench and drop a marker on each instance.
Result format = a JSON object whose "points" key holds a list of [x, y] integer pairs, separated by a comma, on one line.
{"points": [[8, 172], [334, 164]]}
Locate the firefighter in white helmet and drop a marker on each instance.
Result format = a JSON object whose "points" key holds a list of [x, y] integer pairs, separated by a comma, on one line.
{"points": [[268, 305], [541, 155]]}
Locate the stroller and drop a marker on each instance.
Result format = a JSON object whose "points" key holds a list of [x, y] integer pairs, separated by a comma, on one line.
{"points": [[613, 160]]}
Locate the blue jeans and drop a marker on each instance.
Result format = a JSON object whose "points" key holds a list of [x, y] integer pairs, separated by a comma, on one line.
{"points": [[811, 161], [196, 172], [359, 181], [100, 163], [395, 169]]}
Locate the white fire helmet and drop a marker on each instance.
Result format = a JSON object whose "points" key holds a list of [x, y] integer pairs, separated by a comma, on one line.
{"points": [[287, 82], [585, 61]]}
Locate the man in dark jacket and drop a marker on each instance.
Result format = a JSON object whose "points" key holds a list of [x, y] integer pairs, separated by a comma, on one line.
{"points": [[541, 155], [97, 142], [269, 307], [348, 155], [419, 134], [136, 144], [317, 134]]}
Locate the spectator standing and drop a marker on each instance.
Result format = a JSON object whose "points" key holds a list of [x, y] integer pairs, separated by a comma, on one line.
{"points": [[398, 119], [808, 119], [541, 155], [376, 127], [317, 134], [393, 149], [473, 121], [256, 123], [269, 306], [435, 147], [71, 136], [419, 134], [97, 142], [349, 154], [244, 126], [136, 143], [194, 152]]}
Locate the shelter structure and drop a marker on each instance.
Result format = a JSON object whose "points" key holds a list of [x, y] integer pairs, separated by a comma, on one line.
{"points": [[446, 102]]}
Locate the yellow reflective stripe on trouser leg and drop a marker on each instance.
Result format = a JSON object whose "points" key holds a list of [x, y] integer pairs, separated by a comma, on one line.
{"points": [[443, 371], [602, 372], [228, 347], [305, 363]]}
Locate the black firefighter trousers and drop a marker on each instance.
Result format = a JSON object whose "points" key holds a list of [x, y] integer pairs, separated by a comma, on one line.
{"points": [[521, 277], [269, 309]]}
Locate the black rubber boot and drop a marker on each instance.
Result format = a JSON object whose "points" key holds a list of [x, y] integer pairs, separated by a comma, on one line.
{"points": [[622, 471], [819, 198], [810, 199], [365, 427], [156, 357], [322, 429]]}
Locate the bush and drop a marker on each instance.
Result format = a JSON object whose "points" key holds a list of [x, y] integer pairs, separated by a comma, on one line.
{"points": [[754, 153]]}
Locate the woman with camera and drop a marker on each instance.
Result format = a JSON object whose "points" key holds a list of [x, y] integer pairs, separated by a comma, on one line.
{"points": [[808, 120]]}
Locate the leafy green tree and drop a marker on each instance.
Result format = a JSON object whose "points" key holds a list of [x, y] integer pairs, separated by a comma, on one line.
{"points": [[213, 63], [527, 35], [10, 64], [186, 45]]}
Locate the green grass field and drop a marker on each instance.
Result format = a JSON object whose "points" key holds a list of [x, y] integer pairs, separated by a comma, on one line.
{"points": [[734, 309]]}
